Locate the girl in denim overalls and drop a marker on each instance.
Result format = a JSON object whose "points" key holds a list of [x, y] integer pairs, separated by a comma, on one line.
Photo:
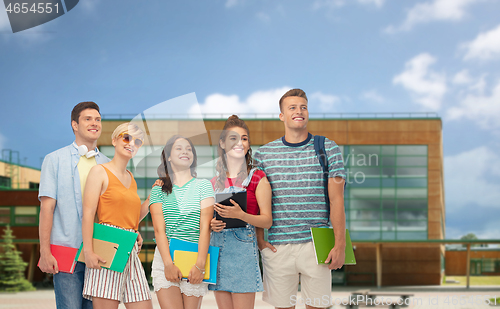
{"points": [[238, 274]]}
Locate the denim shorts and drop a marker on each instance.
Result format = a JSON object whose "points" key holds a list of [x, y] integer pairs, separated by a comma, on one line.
{"points": [[238, 269]]}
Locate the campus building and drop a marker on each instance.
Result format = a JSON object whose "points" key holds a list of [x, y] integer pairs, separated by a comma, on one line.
{"points": [[394, 198]]}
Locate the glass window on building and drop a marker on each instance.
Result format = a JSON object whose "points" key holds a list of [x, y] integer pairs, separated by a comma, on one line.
{"points": [[386, 192], [19, 215], [488, 266], [5, 182], [4, 215], [26, 215]]}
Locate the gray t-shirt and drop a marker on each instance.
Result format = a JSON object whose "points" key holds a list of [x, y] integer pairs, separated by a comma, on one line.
{"points": [[296, 178]]}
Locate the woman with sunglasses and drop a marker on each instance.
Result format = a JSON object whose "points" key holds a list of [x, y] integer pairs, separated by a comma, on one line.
{"points": [[238, 277], [111, 193], [181, 209]]}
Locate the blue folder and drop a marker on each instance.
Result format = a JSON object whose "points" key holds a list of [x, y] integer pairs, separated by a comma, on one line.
{"points": [[182, 245]]}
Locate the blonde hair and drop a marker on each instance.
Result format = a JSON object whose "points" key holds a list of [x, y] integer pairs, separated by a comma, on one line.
{"points": [[130, 128]]}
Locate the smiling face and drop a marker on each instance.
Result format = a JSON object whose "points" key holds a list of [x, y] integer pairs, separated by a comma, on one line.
{"points": [[125, 145], [294, 113], [236, 143], [181, 157], [88, 128]]}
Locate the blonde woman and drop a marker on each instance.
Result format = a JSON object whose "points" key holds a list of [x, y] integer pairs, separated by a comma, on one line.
{"points": [[111, 193]]}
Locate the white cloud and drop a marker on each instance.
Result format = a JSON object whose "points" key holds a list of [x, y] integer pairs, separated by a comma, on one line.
{"points": [[435, 10], [477, 85], [480, 85], [327, 101], [261, 102], [462, 78], [486, 46], [373, 96], [483, 109], [377, 3], [472, 178], [426, 86]]}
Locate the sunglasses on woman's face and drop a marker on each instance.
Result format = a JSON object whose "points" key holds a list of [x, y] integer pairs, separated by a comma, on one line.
{"points": [[127, 138]]}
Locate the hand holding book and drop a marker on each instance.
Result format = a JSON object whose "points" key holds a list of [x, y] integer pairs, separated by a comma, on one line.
{"points": [[230, 207], [48, 263], [92, 260], [336, 257], [233, 212], [195, 275], [172, 273]]}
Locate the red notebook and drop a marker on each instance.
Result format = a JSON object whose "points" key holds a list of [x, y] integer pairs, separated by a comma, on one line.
{"points": [[65, 257]]}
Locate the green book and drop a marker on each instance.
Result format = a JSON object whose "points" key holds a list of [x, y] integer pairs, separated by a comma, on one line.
{"points": [[324, 241], [124, 239]]}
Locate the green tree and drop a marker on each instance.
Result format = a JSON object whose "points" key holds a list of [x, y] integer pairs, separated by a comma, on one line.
{"points": [[12, 266], [472, 236]]}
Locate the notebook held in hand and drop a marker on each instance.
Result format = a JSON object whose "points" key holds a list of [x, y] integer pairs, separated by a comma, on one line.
{"points": [[223, 199]]}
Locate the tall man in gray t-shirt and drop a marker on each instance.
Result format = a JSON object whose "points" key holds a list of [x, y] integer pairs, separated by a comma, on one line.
{"points": [[299, 203]]}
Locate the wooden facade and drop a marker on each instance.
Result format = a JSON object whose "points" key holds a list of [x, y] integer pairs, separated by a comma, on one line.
{"points": [[456, 261]]}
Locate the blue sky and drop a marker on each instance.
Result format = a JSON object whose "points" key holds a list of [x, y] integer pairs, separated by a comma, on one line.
{"points": [[438, 56]]}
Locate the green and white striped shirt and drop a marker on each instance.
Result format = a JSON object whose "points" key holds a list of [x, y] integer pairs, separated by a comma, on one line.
{"points": [[181, 208]]}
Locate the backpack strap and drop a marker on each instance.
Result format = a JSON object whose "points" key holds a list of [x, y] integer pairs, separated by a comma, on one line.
{"points": [[319, 148]]}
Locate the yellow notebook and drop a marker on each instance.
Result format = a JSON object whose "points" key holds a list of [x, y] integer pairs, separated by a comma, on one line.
{"points": [[185, 261]]}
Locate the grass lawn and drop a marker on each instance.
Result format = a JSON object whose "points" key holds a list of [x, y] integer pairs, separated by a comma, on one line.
{"points": [[474, 280]]}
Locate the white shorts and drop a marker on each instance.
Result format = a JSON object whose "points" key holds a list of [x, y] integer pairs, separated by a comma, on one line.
{"points": [[160, 282], [128, 287], [281, 276]]}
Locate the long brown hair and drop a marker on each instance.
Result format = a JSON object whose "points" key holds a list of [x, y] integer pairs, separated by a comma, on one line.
{"points": [[165, 169], [221, 167]]}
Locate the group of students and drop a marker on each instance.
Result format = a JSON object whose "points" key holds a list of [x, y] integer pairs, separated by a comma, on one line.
{"points": [[285, 194]]}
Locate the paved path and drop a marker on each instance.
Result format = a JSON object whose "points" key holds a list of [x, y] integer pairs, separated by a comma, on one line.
{"points": [[433, 297]]}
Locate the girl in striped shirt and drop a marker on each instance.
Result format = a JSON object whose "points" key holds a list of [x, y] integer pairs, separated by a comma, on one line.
{"points": [[181, 209]]}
